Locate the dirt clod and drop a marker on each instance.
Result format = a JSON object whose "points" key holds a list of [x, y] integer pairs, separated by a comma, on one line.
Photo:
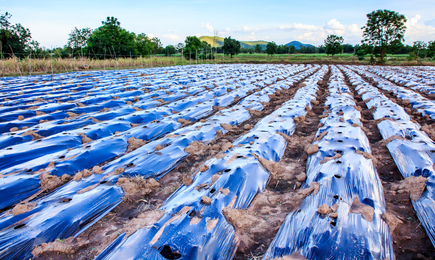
{"points": [[366, 211]]}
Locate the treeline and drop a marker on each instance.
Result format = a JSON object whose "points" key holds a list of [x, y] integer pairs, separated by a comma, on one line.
{"points": [[110, 41]]}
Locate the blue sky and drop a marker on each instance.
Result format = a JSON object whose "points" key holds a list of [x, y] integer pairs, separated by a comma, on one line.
{"points": [[308, 21]]}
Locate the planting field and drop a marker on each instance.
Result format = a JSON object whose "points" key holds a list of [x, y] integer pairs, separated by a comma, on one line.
{"points": [[236, 161]]}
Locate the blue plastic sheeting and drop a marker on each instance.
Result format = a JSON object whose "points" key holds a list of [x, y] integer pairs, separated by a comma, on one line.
{"points": [[232, 181], [91, 154], [420, 78], [414, 156], [52, 217], [56, 221], [423, 105], [341, 180]]}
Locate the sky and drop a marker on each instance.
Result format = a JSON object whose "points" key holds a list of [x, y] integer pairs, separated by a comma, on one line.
{"points": [[307, 21]]}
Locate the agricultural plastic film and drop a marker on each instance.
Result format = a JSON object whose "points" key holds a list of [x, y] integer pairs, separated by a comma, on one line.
{"points": [[68, 190], [414, 155], [232, 181], [344, 180]]}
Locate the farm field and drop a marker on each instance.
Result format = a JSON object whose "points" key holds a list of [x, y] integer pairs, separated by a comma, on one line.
{"points": [[219, 161]]}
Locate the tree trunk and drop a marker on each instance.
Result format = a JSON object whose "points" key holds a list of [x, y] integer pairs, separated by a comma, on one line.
{"points": [[382, 55]]}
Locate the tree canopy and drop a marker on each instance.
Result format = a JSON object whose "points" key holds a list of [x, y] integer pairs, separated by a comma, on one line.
{"points": [[231, 46], [112, 39], [192, 46], [271, 48], [15, 39], [383, 29], [333, 44]]}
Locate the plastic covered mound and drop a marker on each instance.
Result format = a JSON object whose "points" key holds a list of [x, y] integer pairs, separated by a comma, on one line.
{"points": [[141, 142], [343, 219], [423, 105], [194, 225], [412, 150]]}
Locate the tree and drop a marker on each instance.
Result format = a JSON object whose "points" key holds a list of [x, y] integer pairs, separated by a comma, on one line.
{"points": [[206, 50], [333, 44], [78, 38], [193, 45], [382, 29], [170, 50], [271, 48], [258, 48], [157, 46], [291, 49], [348, 48], [144, 45], [420, 48], [112, 39], [14, 39], [179, 47], [321, 49], [431, 49], [231, 46]]}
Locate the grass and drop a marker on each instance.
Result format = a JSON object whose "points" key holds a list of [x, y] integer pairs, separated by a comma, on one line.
{"points": [[24, 67]]}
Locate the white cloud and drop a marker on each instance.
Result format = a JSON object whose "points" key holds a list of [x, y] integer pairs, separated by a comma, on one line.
{"points": [[416, 31], [207, 26], [171, 37]]}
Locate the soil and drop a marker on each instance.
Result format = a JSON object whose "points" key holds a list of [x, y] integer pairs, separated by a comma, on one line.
{"points": [[282, 194]]}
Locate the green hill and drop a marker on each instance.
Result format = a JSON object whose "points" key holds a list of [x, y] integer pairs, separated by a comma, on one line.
{"points": [[243, 44]]}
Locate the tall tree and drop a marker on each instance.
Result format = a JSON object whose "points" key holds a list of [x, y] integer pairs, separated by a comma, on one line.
{"points": [[14, 39], [78, 38], [193, 45], [179, 47], [112, 39], [144, 45], [383, 28], [231, 46], [170, 50], [333, 44], [420, 48], [271, 48], [258, 48], [431, 49]]}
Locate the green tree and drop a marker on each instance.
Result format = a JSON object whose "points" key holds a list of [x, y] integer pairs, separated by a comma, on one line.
{"points": [[321, 49], [271, 48], [157, 46], [258, 48], [78, 38], [170, 50], [206, 50], [333, 44], [193, 45], [383, 28], [431, 49], [112, 39], [179, 47], [144, 45], [348, 48], [14, 39], [420, 49], [231, 46]]}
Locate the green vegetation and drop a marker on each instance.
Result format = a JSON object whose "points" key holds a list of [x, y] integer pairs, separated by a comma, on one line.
{"points": [[384, 30], [193, 45], [271, 48], [333, 44], [231, 46]]}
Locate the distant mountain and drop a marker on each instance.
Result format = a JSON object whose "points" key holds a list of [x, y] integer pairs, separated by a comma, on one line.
{"points": [[219, 42], [297, 44]]}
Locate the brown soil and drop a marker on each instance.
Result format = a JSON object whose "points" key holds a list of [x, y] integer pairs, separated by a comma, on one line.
{"points": [[282, 194]]}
